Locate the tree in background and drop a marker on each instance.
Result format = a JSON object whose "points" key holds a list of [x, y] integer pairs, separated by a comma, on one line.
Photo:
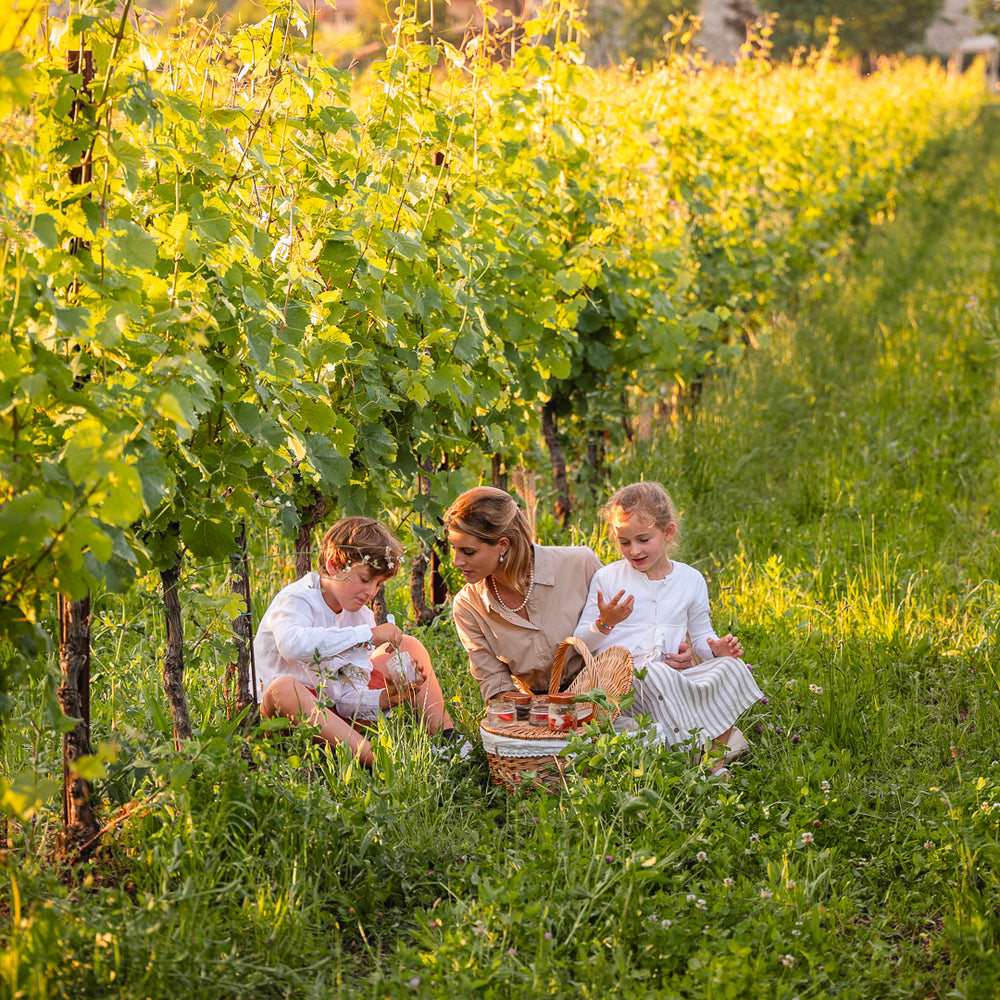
{"points": [[987, 13], [865, 29], [629, 29]]}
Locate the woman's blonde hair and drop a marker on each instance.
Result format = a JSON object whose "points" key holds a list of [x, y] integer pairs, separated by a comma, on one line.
{"points": [[646, 498], [490, 514], [355, 540]]}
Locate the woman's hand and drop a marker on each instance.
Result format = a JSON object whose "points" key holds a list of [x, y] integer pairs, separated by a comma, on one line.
{"points": [[615, 611], [680, 660], [728, 645]]}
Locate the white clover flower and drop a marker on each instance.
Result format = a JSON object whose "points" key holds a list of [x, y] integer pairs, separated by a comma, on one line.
{"points": [[728, 883], [807, 838], [702, 856], [825, 785], [665, 923], [787, 960], [701, 905], [790, 884], [754, 838], [815, 688], [928, 845], [691, 897], [766, 894]]}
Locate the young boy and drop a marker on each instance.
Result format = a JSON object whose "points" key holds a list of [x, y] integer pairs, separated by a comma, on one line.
{"points": [[314, 647]]}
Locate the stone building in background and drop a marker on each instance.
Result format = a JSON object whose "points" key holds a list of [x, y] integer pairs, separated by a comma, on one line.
{"points": [[952, 26]]}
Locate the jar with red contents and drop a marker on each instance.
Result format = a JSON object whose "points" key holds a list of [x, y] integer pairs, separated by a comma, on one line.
{"points": [[500, 712], [538, 713], [562, 711], [521, 703]]}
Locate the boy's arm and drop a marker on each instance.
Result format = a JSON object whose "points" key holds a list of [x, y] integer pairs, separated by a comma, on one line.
{"points": [[300, 641]]}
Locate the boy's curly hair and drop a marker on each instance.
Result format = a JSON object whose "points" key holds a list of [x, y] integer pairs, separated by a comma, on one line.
{"points": [[355, 540]]}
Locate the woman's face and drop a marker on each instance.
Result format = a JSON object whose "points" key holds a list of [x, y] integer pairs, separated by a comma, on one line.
{"points": [[474, 558]]}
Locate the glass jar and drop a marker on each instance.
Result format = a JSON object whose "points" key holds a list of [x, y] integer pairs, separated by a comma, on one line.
{"points": [[538, 713], [562, 711], [500, 712], [399, 666], [521, 703]]}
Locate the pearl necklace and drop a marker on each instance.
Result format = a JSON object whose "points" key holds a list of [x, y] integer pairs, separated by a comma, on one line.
{"points": [[527, 593]]}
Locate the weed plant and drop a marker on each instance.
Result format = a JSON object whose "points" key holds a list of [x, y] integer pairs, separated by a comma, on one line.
{"points": [[840, 490]]}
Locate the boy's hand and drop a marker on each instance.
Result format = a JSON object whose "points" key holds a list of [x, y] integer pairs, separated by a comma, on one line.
{"points": [[616, 610], [389, 633], [728, 645], [393, 696]]}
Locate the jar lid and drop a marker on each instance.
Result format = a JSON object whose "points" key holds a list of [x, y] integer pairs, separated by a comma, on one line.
{"points": [[562, 698], [516, 697]]}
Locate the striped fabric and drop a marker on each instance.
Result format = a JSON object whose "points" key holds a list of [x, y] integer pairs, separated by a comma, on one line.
{"points": [[704, 701]]}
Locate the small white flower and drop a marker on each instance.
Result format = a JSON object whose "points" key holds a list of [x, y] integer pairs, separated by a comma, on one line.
{"points": [[701, 905], [787, 960], [728, 883], [691, 897], [754, 838], [665, 923], [928, 845], [825, 786], [766, 894], [790, 884], [702, 856], [807, 838]]}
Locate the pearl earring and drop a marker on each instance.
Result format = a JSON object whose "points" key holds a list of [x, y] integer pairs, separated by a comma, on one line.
{"points": [[503, 556]]}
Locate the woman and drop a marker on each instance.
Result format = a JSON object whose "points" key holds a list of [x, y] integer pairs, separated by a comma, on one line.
{"points": [[520, 600]]}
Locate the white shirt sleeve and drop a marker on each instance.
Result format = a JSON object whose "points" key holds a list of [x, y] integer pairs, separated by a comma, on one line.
{"points": [[586, 629], [297, 639]]}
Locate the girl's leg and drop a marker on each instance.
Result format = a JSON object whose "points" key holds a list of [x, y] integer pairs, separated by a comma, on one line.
{"points": [[430, 702], [290, 699]]}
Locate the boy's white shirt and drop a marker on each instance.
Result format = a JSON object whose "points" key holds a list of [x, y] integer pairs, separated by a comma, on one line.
{"points": [[297, 627]]}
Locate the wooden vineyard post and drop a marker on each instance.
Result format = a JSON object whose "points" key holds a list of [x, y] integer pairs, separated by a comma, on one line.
{"points": [[309, 517], [173, 658], [244, 668], [80, 829]]}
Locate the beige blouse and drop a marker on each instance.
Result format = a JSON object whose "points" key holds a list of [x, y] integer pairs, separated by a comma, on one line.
{"points": [[503, 646]]}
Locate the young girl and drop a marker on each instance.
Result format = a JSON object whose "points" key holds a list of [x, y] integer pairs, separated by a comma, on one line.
{"points": [[313, 649], [650, 604]]}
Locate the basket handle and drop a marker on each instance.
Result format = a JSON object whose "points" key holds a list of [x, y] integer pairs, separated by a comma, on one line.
{"points": [[555, 677]]}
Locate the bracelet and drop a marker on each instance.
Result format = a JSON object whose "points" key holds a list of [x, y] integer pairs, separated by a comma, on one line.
{"points": [[603, 625]]}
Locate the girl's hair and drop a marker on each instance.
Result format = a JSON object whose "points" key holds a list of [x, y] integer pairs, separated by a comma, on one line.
{"points": [[490, 514], [646, 498], [354, 540]]}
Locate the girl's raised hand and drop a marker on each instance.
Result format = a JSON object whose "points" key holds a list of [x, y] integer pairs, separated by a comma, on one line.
{"points": [[728, 645], [616, 610]]}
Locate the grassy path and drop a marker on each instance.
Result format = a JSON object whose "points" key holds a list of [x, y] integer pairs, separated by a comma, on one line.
{"points": [[846, 482], [841, 491]]}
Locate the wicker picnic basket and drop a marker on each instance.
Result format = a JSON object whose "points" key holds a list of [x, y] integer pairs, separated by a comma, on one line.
{"points": [[520, 752]]}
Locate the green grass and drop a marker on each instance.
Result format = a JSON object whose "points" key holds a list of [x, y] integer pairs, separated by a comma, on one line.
{"points": [[840, 490]]}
